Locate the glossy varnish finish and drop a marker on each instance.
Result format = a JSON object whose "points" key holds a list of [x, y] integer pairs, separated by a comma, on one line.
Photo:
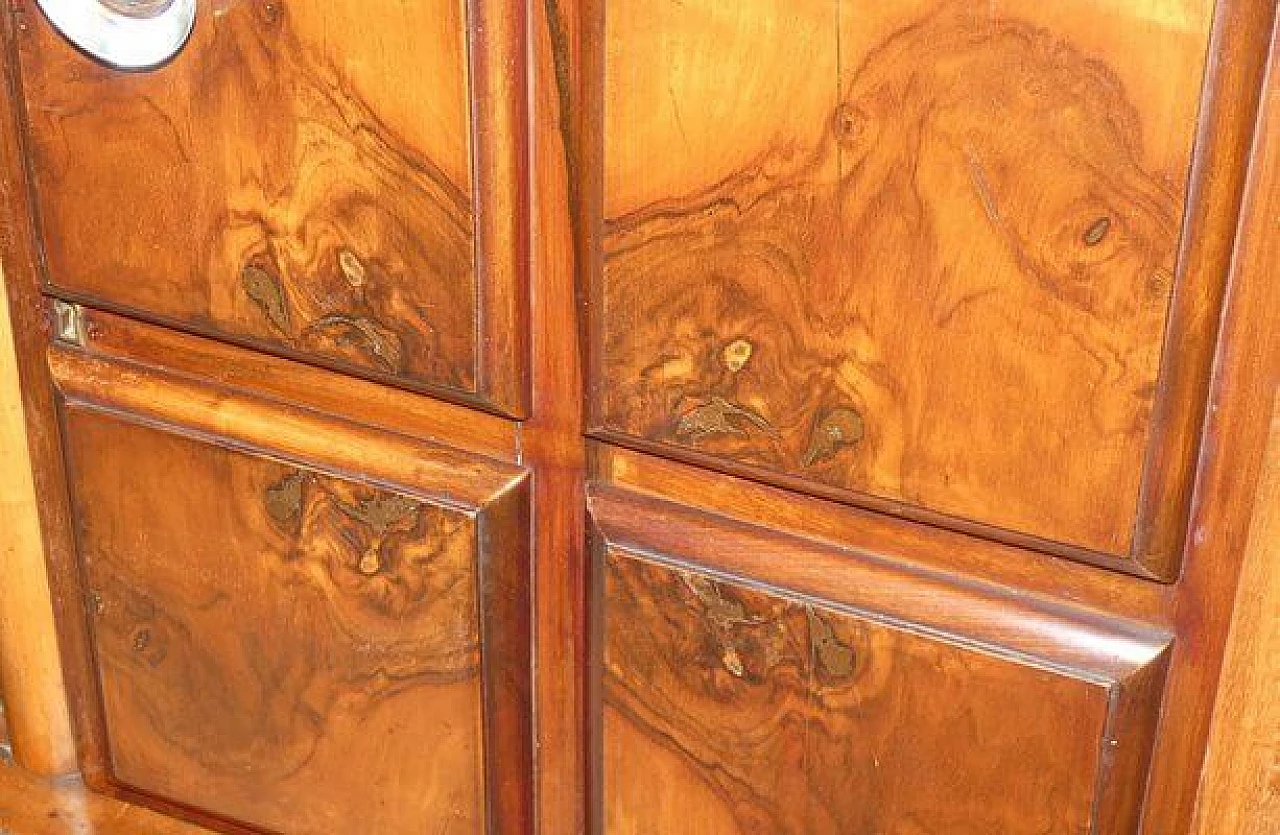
{"points": [[728, 707], [1242, 775], [805, 232], [300, 178], [937, 283], [331, 651]]}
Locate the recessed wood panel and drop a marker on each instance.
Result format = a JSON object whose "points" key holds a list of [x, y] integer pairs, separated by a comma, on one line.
{"points": [[915, 254], [726, 704], [304, 177], [284, 644]]}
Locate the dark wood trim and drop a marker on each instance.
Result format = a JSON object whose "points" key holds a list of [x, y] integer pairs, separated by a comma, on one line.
{"points": [[506, 642], [1239, 794], [500, 118], [1237, 63], [915, 546], [875, 504], [472, 400]]}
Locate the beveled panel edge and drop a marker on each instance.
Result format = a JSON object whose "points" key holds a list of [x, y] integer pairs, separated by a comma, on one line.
{"points": [[472, 399], [1229, 107], [1026, 573], [504, 564], [438, 474], [1128, 660], [902, 511], [112, 336], [500, 103], [928, 603]]}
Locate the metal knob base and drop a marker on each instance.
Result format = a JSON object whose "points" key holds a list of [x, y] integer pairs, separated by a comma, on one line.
{"points": [[125, 34]]}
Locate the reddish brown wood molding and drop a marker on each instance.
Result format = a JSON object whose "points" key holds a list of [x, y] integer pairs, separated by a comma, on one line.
{"points": [[938, 286], [276, 640], [732, 698], [304, 194]]}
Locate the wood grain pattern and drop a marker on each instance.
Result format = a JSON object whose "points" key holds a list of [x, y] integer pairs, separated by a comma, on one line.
{"points": [[301, 190], [552, 438], [289, 667], [728, 707], [279, 644], [938, 282]]}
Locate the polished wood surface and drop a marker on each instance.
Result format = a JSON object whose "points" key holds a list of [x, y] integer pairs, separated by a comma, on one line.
{"points": [[731, 706], [1246, 373], [1064, 162], [552, 437], [286, 667], [298, 385], [38, 726], [1241, 795], [31, 806], [940, 281], [303, 192]]}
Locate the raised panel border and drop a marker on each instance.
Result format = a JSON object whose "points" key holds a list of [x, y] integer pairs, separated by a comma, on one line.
{"points": [[496, 494], [1130, 660]]}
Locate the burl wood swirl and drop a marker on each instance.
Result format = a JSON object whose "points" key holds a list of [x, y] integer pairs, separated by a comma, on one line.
{"points": [[956, 299], [382, 588], [803, 721], [348, 242]]}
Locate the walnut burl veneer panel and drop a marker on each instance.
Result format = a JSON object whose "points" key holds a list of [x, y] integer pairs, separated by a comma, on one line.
{"points": [[291, 648], [919, 254], [728, 705], [299, 178]]}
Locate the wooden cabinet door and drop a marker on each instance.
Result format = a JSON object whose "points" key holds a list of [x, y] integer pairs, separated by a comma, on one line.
{"points": [[291, 600], [329, 180], [847, 408], [935, 258], [296, 623], [753, 682]]}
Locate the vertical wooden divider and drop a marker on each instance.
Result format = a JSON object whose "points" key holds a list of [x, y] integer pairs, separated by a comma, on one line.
{"points": [[552, 439], [30, 670], [1238, 795]]}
